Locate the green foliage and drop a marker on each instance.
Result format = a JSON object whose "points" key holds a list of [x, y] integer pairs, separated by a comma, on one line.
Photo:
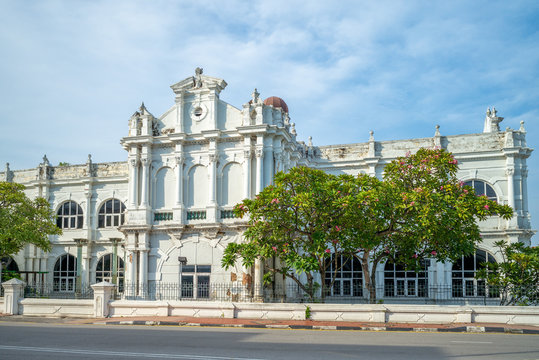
{"points": [[62, 163], [419, 210], [294, 220], [516, 278], [8, 275], [307, 312], [23, 221]]}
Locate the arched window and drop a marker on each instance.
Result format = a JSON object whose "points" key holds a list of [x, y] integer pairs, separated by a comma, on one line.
{"points": [[111, 213], [482, 188], [10, 269], [347, 274], [105, 269], [65, 273], [165, 190], [231, 184], [197, 189], [464, 270], [399, 281], [69, 216]]}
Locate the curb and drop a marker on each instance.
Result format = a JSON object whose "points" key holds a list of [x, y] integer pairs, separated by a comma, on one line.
{"points": [[461, 329]]}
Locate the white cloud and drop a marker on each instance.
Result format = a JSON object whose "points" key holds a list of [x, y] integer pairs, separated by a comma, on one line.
{"points": [[73, 71]]}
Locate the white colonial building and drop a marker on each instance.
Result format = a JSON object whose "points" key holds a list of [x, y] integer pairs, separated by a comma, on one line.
{"points": [[165, 215]]}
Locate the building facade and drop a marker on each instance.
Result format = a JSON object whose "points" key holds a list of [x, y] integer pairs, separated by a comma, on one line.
{"points": [[165, 215]]}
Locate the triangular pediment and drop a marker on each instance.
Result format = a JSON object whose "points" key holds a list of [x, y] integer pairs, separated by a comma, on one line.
{"points": [[199, 82]]}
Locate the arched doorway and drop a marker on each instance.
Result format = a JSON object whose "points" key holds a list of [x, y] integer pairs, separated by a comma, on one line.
{"points": [[65, 273]]}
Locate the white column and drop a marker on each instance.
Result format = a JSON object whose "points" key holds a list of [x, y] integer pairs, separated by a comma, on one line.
{"points": [[278, 162], [259, 275], [510, 187], [144, 249], [524, 176], [179, 180], [213, 179], [143, 269], [131, 263], [259, 170], [268, 160], [133, 183], [247, 173], [144, 182]]}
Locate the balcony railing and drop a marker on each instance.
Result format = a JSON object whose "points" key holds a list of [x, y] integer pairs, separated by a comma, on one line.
{"points": [[163, 216], [196, 215], [228, 214]]}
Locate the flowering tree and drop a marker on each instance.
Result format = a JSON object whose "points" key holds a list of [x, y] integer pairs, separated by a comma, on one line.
{"points": [[298, 221], [516, 278], [419, 210], [23, 221]]}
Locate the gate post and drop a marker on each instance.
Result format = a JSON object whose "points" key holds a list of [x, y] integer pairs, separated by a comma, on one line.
{"points": [[12, 293], [103, 292]]}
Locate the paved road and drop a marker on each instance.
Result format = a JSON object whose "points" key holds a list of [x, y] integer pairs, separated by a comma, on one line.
{"points": [[60, 341]]}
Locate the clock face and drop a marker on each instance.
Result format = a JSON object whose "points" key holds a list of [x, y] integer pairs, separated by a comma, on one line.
{"points": [[198, 111]]}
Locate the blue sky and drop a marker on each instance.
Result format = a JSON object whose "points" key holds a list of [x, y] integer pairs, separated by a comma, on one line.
{"points": [[74, 71]]}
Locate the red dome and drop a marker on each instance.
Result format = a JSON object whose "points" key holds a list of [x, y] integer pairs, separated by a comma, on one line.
{"points": [[277, 102]]}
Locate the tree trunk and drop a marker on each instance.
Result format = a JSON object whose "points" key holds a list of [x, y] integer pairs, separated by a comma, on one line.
{"points": [[323, 285], [372, 290], [370, 280]]}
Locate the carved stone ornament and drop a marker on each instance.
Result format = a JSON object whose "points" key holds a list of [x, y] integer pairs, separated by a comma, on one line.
{"points": [[180, 159], [247, 154], [176, 234], [213, 157], [510, 171], [90, 167], [155, 128], [255, 96], [259, 153], [293, 129], [211, 233], [133, 162], [9, 173], [197, 79]]}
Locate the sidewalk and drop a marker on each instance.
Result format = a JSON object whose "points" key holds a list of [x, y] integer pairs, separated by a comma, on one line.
{"points": [[278, 324]]}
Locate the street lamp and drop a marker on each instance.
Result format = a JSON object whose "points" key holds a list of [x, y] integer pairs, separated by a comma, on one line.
{"points": [[183, 261]]}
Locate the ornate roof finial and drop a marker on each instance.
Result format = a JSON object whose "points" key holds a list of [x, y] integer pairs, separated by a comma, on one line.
{"points": [[197, 79], [492, 121], [521, 129], [437, 132], [143, 109], [293, 129], [9, 173], [45, 160], [89, 161], [371, 135], [256, 96], [310, 141]]}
